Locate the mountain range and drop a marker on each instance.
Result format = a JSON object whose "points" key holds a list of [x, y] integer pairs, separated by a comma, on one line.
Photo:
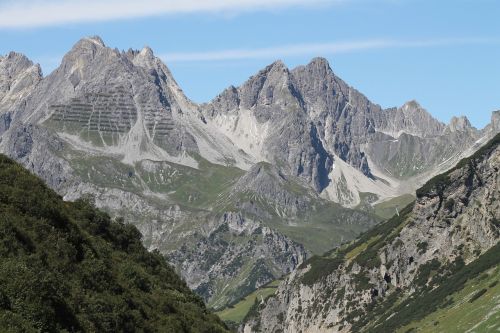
{"points": [[235, 192]]}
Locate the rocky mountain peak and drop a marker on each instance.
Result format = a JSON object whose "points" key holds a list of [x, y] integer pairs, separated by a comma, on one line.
{"points": [[318, 69], [146, 58], [413, 108], [91, 62], [95, 39], [276, 72], [147, 52], [277, 66], [14, 62], [91, 69], [269, 86], [495, 121], [85, 51], [412, 105], [228, 100], [261, 174], [411, 118], [459, 124], [14, 55], [18, 75], [320, 64]]}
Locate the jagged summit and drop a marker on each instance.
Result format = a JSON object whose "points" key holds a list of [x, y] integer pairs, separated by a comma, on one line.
{"points": [[18, 75], [272, 71], [95, 39], [495, 120], [89, 49], [412, 118], [459, 124], [87, 44], [321, 64], [147, 52], [84, 52], [14, 55], [316, 72], [412, 105], [277, 65], [15, 61]]}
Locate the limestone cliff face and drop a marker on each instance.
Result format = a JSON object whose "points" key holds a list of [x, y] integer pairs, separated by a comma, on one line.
{"points": [[452, 223]]}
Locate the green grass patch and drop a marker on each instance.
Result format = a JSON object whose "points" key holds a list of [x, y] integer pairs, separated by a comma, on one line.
{"points": [[358, 249], [388, 209], [237, 312], [325, 227]]}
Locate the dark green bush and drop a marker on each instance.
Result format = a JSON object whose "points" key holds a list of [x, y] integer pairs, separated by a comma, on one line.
{"points": [[422, 247], [321, 267], [425, 271], [478, 294]]}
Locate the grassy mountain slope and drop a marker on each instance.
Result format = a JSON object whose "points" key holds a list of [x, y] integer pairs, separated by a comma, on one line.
{"points": [[237, 312], [474, 307], [68, 267]]}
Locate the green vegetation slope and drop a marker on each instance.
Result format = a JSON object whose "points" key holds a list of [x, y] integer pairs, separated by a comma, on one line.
{"points": [[66, 266]]}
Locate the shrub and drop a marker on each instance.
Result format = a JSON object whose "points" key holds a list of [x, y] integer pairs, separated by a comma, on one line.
{"points": [[422, 247], [477, 295], [320, 268]]}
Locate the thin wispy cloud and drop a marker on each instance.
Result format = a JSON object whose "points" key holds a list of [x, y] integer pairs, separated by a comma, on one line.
{"points": [[37, 13], [313, 49]]}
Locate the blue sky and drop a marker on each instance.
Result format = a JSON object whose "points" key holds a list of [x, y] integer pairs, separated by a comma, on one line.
{"points": [[444, 54]]}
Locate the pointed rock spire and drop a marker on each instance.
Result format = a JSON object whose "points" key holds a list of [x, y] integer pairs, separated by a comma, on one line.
{"points": [[495, 121], [459, 124], [147, 52], [319, 62], [96, 40]]}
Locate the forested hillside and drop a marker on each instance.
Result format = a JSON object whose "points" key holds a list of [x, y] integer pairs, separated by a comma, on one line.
{"points": [[66, 266]]}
